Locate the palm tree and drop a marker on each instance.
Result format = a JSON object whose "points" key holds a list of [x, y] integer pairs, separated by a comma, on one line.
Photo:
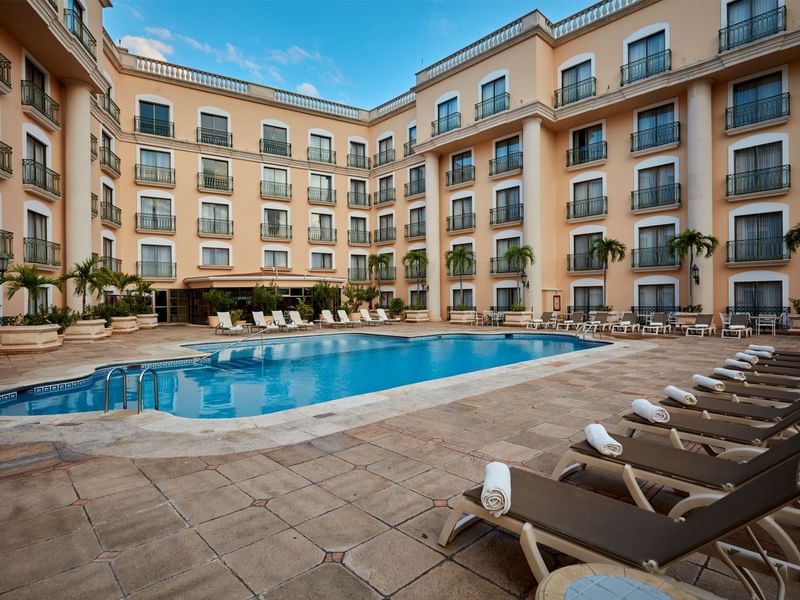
{"points": [[793, 238], [693, 243], [118, 279], [519, 258], [377, 263], [87, 278], [607, 250], [26, 277], [459, 260], [416, 260]]}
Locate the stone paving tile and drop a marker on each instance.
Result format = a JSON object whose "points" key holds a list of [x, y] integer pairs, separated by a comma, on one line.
{"points": [[364, 454], [247, 468], [205, 506], [335, 442], [433, 454], [341, 529], [158, 469], [291, 455], [398, 442], [450, 580], [122, 504], [355, 484], [194, 483], [240, 528], [394, 504], [397, 468], [322, 468], [275, 483], [436, 484], [507, 452], [92, 581], [19, 506], [498, 557], [101, 478], [209, 581], [325, 582], [140, 527], [468, 467], [34, 529], [426, 527], [304, 504], [370, 432]]}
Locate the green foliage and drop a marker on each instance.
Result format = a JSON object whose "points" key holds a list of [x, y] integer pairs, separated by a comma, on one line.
{"points": [[607, 250], [266, 298], [87, 277], [117, 279], [795, 304], [368, 294], [26, 277], [306, 310], [416, 306], [397, 306], [793, 239], [353, 295], [236, 315], [692, 308], [103, 311], [63, 317], [517, 307], [324, 296], [217, 300], [693, 243], [459, 260]]}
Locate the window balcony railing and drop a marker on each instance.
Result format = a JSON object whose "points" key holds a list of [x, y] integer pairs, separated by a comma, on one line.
{"points": [[501, 265], [217, 183], [39, 176], [386, 274], [763, 249], [657, 256], [360, 274], [416, 272], [155, 222], [5, 160], [385, 234], [154, 126], [511, 213], [153, 174], [274, 189], [414, 187], [214, 137], [109, 160], [109, 106], [585, 88], [408, 147], [275, 147], [587, 207], [110, 214], [109, 263], [321, 155], [492, 106], [360, 199], [415, 230], [79, 29], [358, 236], [5, 72], [759, 111], [654, 197], [156, 269], [586, 154], [655, 137], [34, 96], [321, 195], [276, 231], [358, 161], [504, 164], [6, 243], [760, 180], [445, 124], [752, 29], [41, 252], [583, 262], [660, 62], [95, 205], [381, 158], [461, 222], [93, 146], [222, 227], [461, 175], [383, 196], [463, 271], [321, 234]]}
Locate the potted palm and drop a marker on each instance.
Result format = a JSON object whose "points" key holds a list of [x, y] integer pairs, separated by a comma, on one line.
{"points": [[692, 243], [87, 279], [122, 321], [606, 250], [218, 301], [141, 301], [519, 258], [459, 261], [378, 264], [32, 334]]}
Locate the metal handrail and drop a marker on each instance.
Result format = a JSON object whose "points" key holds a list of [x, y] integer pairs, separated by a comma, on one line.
{"points": [[144, 372], [124, 388]]}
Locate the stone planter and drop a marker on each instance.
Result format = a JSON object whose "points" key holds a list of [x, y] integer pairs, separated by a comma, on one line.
{"points": [[462, 316], [518, 319], [213, 321], [794, 323], [16, 339], [124, 324], [87, 331], [417, 316], [147, 321]]}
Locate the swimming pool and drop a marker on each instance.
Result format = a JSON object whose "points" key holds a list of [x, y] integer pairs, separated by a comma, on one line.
{"points": [[254, 379]]}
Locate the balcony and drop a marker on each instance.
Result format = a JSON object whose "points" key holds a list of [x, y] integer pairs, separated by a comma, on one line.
{"points": [[155, 175], [156, 270], [41, 252], [93, 146], [750, 30], [276, 231], [5, 74], [321, 155], [46, 110], [578, 263], [6, 170], [504, 215], [661, 196], [408, 147], [321, 235], [358, 237], [414, 187], [95, 205], [761, 181], [500, 265], [6, 243], [655, 137], [386, 274], [772, 249], [275, 147], [152, 222], [79, 29], [321, 195], [110, 107], [382, 158], [415, 230], [384, 196], [109, 263], [385, 234], [764, 110], [214, 137], [210, 182], [36, 177], [109, 161], [214, 228], [461, 175], [510, 163], [110, 214], [464, 271], [358, 274], [492, 106], [585, 88], [154, 126], [358, 161], [417, 273], [661, 62], [358, 199], [274, 189], [587, 208], [461, 222], [445, 124], [587, 154], [657, 257]]}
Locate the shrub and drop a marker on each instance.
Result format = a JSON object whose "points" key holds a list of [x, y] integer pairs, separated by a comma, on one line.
{"points": [[218, 300], [305, 310], [266, 298], [517, 307], [63, 317], [396, 306]]}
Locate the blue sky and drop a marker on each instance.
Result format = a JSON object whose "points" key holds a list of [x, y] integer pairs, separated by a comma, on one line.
{"points": [[361, 52]]}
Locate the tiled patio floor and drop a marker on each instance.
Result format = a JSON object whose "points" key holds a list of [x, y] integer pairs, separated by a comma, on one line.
{"points": [[352, 515]]}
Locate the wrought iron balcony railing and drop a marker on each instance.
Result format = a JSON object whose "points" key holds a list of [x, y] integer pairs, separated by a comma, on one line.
{"points": [[154, 126], [276, 231], [360, 199], [34, 96], [275, 147], [752, 29], [461, 222], [587, 207], [95, 205], [385, 234], [657, 256], [79, 29], [654, 197], [462, 271], [461, 175], [503, 164], [583, 262], [6, 153], [93, 146], [585, 88], [511, 213], [383, 196], [386, 274], [358, 274], [492, 106], [274, 189], [501, 265], [156, 269], [108, 105], [155, 222], [445, 124], [109, 263], [38, 175], [408, 147], [660, 62], [655, 137], [6, 243], [414, 187], [153, 174], [381, 158], [415, 230], [321, 195], [110, 213], [358, 161], [109, 160], [5, 71], [321, 155], [358, 236], [416, 272], [750, 113], [222, 227], [321, 234], [210, 181], [586, 154], [41, 252], [760, 180], [214, 137], [763, 249]]}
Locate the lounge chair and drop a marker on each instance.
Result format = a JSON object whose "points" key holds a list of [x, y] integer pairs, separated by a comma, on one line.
{"points": [[575, 319], [704, 324], [600, 322], [740, 388], [345, 320], [628, 322], [367, 318], [226, 326], [277, 318], [542, 321], [752, 376], [299, 321], [733, 409], [595, 528], [384, 318], [261, 323], [659, 323], [738, 325], [328, 320]]}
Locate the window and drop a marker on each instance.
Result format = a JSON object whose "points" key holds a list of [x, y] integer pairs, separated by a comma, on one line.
{"points": [[418, 299], [646, 57], [587, 297], [758, 169], [494, 98], [320, 188], [320, 148], [358, 149], [154, 119], [215, 219], [276, 258], [214, 168], [386, 222], [463, 299], [108, 194], [467, 269], [758, 237], [358, 268], [507, 297], [156, 261], [500, 264], [321, 260], [105, 140], [416, 218], [654, 250], [507, 206], [216, 123], [155, 166], [275, 141], [358, 193], [37, 226], [34, 75], [587, 199], [324, 182], [749, 20], [462, 217], [385, 190], [276, 223], [37, 247], [416, 181], [321, 227], [587, 145], [462, 160], [385, 151], [276, 183], [448, 116], [462, 169], [36, 151], [657, 298], [757, 100], [276, 176], [758, 297], [577, 83], [656, 187], [417, 174], [357, 156], [358, 224], [156, 206], [217, 257], [213, 130], [385, 299], [108, 247], [506, 156], [581, 258], [153, 158], [655, 127], [412, 134]]}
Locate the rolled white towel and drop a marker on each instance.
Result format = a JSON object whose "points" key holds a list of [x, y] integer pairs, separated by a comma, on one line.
{"points": [[496, 493], [677, 394], [758, 353], [709, 383], [757, 347], [598, 438], [738, 364], [648, 410], [753, 360], [730, 374], [625, 323]]}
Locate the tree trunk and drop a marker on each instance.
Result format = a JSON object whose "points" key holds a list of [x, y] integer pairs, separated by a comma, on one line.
{"points": [[605, 284], [691, 277]]}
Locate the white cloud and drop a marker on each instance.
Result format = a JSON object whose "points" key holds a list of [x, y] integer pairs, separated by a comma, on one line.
{"points": [[200, 46], [292, 55], [147, 47], [159, 32], [308, 89]]}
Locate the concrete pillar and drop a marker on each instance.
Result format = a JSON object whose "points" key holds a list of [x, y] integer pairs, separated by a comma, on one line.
{"points": [[532, 208], [698, 191], [78, 181], [432, 241]]}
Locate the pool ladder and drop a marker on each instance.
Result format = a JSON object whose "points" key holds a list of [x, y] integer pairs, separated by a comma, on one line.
{"points": [[121, 371]]}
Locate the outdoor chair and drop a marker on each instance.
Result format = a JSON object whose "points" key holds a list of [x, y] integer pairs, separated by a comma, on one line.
{"points": [[542, 321], [628, 322], [298, 321], [575, 319], [328, 320], [261, 323], [345, 320], [738, 325], [385, 319], [658, 324], [226, 326], [704, 324], [367, 318], [277, 318]]}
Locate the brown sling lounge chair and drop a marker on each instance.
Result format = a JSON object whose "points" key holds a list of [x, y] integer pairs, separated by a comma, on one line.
{"points": [[772, 393], [733, 410], [594, 528], [771, 379]]}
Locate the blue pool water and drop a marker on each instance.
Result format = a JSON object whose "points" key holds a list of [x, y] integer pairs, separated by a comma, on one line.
{"points": [[254, 379]]}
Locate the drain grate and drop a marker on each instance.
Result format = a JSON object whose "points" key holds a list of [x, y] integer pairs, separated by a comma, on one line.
{"points": [[324, 415]]}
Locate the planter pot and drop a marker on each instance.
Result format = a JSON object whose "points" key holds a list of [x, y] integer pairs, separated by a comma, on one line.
{"points": [[147, 321], [462, 316], [124, 324], [213, 321], [354, 316], [16, 339], [417, 316], [685, 319], [794, 322], [518, 319], [87, 331]]}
